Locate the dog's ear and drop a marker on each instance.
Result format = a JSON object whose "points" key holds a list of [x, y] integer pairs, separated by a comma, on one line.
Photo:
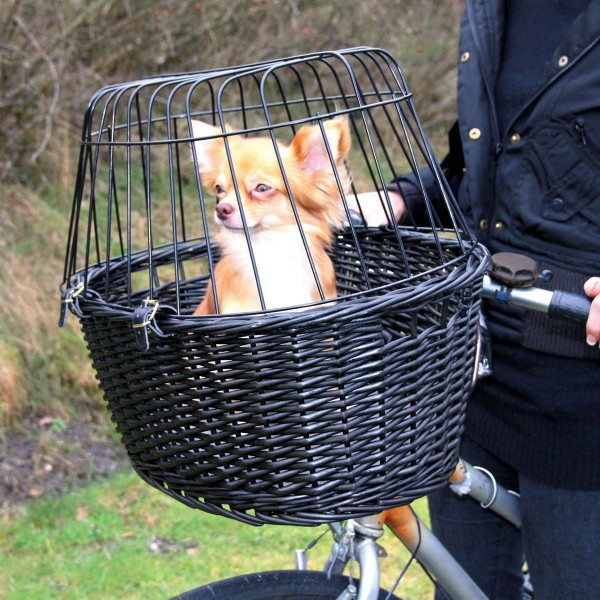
{"points": [[309, 147], [209, 149]]}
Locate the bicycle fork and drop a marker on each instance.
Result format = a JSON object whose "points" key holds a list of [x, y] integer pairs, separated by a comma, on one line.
{"points": [[357, 541]]}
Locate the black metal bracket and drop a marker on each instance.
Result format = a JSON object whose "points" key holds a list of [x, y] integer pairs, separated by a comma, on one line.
{"points": [[142, 318]]}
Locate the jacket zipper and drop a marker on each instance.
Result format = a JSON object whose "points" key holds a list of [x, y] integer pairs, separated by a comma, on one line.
{"points": [[580, 129]]}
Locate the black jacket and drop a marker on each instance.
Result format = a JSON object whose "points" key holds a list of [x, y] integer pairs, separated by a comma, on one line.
{"points": [[535, 187], [542, 195]]}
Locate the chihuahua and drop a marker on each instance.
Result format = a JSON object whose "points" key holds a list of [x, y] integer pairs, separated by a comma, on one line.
{"points": [[261, 215]]}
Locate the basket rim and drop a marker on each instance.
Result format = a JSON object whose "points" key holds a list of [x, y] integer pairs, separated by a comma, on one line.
{"points": [[432, 277]]}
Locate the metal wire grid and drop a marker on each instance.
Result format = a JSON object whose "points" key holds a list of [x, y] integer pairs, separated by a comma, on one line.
{"points": [[137, 188]]}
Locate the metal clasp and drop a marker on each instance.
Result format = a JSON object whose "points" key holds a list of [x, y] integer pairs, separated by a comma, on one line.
{"points": [[68, 297], [142, 318]]}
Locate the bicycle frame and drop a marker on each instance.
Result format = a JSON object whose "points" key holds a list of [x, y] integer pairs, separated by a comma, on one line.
{"points": [[360, 537]]}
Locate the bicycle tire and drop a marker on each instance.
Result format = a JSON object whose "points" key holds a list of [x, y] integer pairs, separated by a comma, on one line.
{"points": [[275, 585]]}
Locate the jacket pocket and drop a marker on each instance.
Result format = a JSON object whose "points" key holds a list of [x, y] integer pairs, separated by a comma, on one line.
{"points": [[577, 192], [571, 173]]}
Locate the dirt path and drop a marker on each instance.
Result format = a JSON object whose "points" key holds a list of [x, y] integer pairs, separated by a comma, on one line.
{"points": [[47, 457]]}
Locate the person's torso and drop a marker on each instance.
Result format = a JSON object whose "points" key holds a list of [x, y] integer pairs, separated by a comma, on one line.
{"points": [[532, 185]]}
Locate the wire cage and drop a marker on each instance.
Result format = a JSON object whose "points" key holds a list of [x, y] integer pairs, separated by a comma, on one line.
{"points": [[298, 408]]}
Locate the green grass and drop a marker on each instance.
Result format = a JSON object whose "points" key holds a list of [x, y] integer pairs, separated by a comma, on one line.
{"points": [[101, 541]]}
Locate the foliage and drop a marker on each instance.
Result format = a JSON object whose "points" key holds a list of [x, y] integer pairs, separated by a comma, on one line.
{"points": [[55, 55], [42, 371]]}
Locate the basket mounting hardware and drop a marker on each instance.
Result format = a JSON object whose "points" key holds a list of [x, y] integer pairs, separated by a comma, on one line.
{"points": [[68, 297], [142, 318]]}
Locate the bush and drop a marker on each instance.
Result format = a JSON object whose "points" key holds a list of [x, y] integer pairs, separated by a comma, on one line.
{"points": [[55, 55]]}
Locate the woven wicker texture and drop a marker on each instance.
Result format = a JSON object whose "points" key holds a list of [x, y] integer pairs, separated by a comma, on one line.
{"points": [[299, 416]]}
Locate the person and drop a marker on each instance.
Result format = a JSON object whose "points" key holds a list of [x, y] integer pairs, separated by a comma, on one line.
{"points": [[525, 162]]}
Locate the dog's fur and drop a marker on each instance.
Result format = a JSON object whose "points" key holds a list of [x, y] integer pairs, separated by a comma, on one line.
{"points": [[282, 263]]}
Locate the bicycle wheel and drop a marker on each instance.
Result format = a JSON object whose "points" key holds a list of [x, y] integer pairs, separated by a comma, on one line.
{"points": [[275, 585]]}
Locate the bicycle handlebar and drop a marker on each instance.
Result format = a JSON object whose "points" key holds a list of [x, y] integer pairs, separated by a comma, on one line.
{"points": [[560, 305], [510, 269]]}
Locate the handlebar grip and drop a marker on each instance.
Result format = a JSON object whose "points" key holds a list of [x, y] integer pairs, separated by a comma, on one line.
{"points": [[569, 307]]}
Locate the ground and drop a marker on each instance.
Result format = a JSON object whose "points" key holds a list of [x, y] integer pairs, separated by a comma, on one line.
{"points": [[46, 456]]}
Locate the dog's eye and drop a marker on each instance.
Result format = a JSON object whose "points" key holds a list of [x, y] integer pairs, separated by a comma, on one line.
{"points": [[262, 187], [219, 189]]}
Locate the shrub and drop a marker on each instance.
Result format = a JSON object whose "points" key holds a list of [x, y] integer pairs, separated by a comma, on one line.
{"points": [[54, 55]]}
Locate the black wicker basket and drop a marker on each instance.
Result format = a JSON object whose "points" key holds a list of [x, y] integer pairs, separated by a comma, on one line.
{"points": [[278, 416]]}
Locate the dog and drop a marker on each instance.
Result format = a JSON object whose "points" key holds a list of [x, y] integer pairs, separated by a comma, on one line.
{"points": [[261, 215]]}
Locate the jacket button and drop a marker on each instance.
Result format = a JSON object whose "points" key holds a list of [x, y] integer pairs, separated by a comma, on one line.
{"points": [[557, 204], [465, 57], [474, 133], [498, 225], [563, 61], [483, 224], [515, 138]]}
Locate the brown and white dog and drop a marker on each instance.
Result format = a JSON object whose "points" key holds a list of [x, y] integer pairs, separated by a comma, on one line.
{"points": [[264, 204]]}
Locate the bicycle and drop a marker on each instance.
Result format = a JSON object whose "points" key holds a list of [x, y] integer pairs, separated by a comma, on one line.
{"points": [[356, 540], [285, 416]]}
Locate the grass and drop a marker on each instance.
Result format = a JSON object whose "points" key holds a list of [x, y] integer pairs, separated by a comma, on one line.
{"points": [[122, 539]]}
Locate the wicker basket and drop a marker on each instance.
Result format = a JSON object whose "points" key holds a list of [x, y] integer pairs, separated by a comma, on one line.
{"points": [[287, 416]]}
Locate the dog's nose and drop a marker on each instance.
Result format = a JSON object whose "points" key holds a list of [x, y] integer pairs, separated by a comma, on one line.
{"points": [[224, 209]]}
